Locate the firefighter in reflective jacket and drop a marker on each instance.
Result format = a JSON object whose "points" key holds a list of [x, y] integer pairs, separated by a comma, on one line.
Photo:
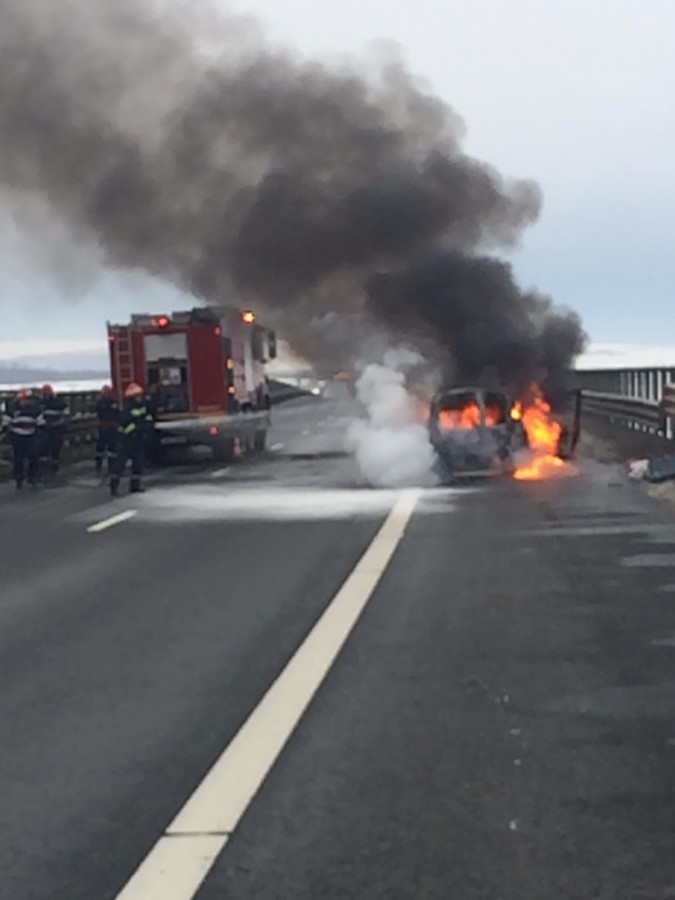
{"points": [[108, 420], [55, 412], [23, 424], [135, 425]]}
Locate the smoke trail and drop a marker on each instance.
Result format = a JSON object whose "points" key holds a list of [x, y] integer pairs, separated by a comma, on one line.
{"points": [[180, 144]]}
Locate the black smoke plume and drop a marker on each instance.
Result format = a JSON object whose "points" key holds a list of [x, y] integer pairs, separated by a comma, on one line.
{"points": [[186, 147], [489, 326]]}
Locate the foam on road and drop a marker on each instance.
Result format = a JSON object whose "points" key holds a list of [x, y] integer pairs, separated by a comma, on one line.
{"points": [[200, 503]]}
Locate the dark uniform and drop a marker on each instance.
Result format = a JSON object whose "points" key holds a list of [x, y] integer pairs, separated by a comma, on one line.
{"points": [[134, 428], [54, 411], [108, 416], [23, 424]]}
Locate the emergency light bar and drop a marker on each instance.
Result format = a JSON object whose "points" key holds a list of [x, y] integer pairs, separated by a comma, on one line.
{"points": [[148, 321], [201, 315]]}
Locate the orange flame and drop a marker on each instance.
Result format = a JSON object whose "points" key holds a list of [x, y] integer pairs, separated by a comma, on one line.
{"points": [[468, 417], [543, 434], [493, 416]]}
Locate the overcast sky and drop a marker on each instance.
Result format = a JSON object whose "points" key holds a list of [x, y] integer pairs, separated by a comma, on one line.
{"points": [[574, 93]]}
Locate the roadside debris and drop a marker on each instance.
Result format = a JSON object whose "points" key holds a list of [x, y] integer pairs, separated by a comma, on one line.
{"points": [[652, 470], [638, 468], [661, 469]]}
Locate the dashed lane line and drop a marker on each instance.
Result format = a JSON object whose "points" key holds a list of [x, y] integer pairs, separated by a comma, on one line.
{"points": [[112, 521], [177, 865]]}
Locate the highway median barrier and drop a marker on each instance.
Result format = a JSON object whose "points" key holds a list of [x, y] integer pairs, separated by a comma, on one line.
{"points": [[81, 432]]}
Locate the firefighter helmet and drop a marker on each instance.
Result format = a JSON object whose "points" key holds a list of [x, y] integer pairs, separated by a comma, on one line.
{"points": [[133, 390]]}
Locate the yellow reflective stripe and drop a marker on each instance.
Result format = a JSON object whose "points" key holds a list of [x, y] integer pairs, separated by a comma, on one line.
{"points": [[129, 428]]}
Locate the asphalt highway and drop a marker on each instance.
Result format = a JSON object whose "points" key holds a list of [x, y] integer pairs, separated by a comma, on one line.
{"points": [[270, 682]]}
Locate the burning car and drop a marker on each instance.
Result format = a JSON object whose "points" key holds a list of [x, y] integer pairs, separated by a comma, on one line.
{"points": [[474, 433]]}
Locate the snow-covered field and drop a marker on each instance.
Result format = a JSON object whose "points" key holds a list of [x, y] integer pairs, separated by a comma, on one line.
{"points": [[59, 386]]}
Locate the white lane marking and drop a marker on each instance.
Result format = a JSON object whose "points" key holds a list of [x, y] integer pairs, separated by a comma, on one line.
{"points": [[220, 472], [179, 862], [664, 642], [113, 520], [648, 560], [175, 868]]}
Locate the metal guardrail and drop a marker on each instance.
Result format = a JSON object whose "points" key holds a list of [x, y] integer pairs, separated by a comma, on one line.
{"points": [[80, 437], [82, 427], [637, 399], [81, 403], [638, 384], [642, 415]]}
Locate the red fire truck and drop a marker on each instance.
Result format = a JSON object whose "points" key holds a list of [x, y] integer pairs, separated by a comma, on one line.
{"points": [[204, 374]]}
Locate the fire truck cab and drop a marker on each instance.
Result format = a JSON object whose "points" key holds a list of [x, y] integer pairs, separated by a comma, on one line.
{"points": [[203, 371]]}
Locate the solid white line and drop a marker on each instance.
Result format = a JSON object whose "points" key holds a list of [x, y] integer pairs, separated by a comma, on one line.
{"points": [[113, 520], [179, 862], [220, 472], [664, 642]]}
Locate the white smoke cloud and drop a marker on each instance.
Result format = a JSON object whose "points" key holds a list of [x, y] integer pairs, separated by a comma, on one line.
{"points": [[391, 444]]}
